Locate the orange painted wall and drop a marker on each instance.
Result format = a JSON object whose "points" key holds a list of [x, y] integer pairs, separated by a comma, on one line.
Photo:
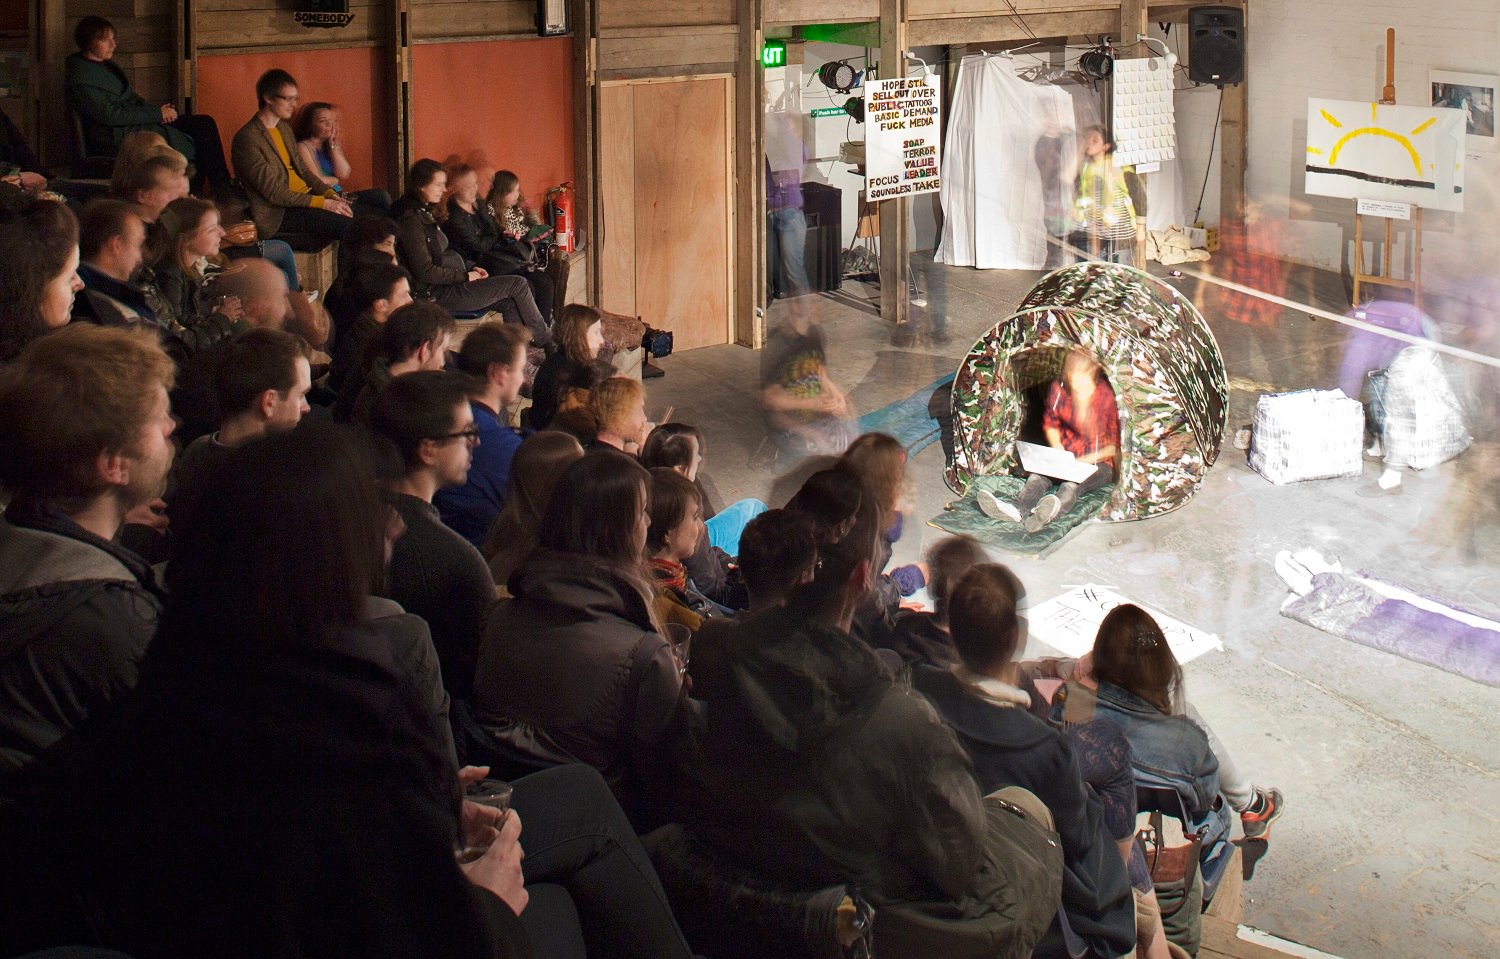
{"points": [[497, 105], [353, 80]]}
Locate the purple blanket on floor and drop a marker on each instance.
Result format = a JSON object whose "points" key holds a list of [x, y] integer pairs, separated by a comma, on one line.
{"points": [[1346, 607]]}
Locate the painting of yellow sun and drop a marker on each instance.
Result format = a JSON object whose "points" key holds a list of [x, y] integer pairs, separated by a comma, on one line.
{"points": [[1376, 151]]}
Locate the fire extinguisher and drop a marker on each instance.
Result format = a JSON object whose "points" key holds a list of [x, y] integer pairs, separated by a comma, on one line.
{"points": [[559, 203]]}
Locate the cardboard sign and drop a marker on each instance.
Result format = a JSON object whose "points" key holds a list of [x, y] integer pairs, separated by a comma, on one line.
{"points": [[902, 130], [1069, 623]]}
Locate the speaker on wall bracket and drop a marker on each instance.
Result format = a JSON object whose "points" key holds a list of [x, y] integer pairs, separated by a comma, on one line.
{"points": [[1216, 45]]}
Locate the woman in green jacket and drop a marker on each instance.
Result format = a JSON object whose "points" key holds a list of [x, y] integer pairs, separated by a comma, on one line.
{"points": [[99, 93]]}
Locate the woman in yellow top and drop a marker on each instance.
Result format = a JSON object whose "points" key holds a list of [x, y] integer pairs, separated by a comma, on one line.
{"points": [[1104, 205]]}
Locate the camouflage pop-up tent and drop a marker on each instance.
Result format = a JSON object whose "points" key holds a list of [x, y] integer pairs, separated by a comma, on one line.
{"points": [[1158, 353]]}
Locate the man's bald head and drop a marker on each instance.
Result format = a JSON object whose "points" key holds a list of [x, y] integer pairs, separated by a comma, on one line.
{"points": [[261, 288]]}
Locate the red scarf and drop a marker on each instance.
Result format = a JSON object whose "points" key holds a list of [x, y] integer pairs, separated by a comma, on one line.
{"points": [[669, 574]]}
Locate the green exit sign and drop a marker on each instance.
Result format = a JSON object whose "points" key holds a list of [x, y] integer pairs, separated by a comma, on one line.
{"points": [[830, 112], [773, 54]]}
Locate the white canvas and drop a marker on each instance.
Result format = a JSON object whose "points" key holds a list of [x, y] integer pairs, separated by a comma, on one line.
{"points": [[1374, 151]]}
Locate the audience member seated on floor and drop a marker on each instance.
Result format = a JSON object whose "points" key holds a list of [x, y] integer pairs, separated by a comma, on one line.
{"points": [[573, 669], [493, 356], [818, 768], [831, 498], [191, 258], [29, 174], [680, 447], [85, 425], [320, 143], [261, 378], [878, 461], [777, 554], [1133, 680], [414, 338], [39, 247], [99, 93], [806, 413], [373, 244], [150, 178], [285, 196], [981, 699], [376, 291], [265, 300], [441, 273], [619, 408], [111, 248], [571, 364], [214, 814], [1082, 418], [538, 464], [676, 510], [434, 572], [921, 636], [477, 234], [264, 303]]}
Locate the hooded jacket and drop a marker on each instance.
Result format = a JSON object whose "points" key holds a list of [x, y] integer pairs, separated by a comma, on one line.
{"points": [[572, 670], [820, 769], [76, 616], [1011, 747]]}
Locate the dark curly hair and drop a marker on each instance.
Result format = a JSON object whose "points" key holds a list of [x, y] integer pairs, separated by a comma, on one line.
{"points": [[37, 237]]}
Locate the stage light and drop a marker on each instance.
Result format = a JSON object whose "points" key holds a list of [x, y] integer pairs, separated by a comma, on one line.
{"points": [[1097, 64], [855, 107], [838, 75]]}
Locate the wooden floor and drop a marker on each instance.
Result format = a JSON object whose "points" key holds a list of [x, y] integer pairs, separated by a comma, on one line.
{"points": [[1221, 923]]}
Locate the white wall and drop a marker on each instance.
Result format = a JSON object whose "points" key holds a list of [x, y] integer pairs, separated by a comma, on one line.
{"points": [[1336, 48]]}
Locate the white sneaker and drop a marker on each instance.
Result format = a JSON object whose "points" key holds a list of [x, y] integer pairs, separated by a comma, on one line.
{"points": [[996, 508]]}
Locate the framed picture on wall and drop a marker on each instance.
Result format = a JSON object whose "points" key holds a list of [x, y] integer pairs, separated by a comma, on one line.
{"points": [[1473, 93]]}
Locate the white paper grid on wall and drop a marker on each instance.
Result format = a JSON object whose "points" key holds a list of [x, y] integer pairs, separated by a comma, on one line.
{"points": [[1145, 120]]}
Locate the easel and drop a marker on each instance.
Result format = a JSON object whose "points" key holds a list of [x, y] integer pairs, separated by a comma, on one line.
{"points": [[1384, 278]]}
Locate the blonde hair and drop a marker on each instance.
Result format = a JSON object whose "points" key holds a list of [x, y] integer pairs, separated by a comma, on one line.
{"points": [[613, 399]]}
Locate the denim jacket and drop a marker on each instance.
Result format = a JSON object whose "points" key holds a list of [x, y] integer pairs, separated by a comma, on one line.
{"points": [[1165, 750]]}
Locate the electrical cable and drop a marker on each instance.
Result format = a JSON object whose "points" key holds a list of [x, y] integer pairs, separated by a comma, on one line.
{"points": [[1208, 164], [1022, 20]]}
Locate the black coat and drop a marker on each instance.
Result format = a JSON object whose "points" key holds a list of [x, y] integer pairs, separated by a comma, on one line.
{"points": [[1011, 747], [479, 239], [423, 248], [572, 670], [291, 804], [819, 768], [76, 616]]}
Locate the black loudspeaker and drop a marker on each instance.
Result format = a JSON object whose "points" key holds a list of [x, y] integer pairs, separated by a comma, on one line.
{"points": [[1216, 45]]}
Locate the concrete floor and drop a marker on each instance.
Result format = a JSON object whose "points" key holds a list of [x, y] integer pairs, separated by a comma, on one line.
{"points": [[1391, 842]]}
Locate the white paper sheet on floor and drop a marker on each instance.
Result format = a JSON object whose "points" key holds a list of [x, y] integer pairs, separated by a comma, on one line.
{"points": [[992, 192], [1069, 623]]}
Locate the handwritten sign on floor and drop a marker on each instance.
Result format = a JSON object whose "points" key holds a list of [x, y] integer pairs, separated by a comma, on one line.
{"points": [[1069, 623]]}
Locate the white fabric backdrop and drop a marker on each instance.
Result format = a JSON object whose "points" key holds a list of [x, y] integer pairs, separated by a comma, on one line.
{"points": [[992, 192]]}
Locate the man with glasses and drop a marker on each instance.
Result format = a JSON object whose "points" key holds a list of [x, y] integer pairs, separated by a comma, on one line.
{"points": [[285, 196], [434, 572]]}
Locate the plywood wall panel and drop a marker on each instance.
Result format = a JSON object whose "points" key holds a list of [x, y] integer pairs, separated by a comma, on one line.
{"points": [[274, 27], [472, 18], [821, 11], [617, 196], [664, 13], [669, 49], [682, 234]]}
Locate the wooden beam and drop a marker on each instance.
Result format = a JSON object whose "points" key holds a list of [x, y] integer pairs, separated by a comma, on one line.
{"points": [[1234, 139], [895, 237], [399, 41], [585, 110], [960, 30], [52, 44], [749, 174]]}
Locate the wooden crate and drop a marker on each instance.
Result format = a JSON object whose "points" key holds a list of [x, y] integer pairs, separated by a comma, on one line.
{"points": [[318, 268]]}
